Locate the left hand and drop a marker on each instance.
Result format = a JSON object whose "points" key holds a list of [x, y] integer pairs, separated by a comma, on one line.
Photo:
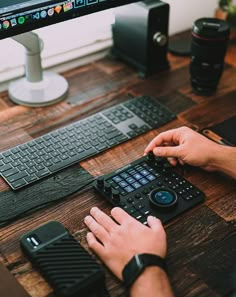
{"points": [[117, 241]]}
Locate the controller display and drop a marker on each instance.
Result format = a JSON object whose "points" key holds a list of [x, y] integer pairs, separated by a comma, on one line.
{"points": [[149, 186]]}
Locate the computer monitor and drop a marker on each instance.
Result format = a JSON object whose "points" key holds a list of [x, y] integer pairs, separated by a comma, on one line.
{"points": [[17, 19]]}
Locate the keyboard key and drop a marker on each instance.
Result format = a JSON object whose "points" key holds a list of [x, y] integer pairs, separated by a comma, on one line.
{"points": [[5, 167], [17, 176], [129, 189], [117, 178], [11, 172], [71, 160], [18, 184], [43, 172]]}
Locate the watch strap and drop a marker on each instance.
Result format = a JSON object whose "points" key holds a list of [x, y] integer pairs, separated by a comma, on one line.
{"points": [[138, 263]]}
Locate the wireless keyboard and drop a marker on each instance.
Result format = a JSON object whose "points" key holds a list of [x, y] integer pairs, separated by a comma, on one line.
{"points": [[43, 156], [149, 186]]}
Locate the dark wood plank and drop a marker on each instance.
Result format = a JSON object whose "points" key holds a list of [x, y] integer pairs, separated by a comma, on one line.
{"points": [[206, 247], [15, 204]]}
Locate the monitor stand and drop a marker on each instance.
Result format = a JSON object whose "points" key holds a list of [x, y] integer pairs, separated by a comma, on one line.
{"points": [[38, 87]]}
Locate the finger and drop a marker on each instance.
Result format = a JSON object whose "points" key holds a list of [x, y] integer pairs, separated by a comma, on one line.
{"points": [[181, 162], [97, 247], [96, 229], [121, 216], [167, 151], [173, 161], [104, 220], [168, 136], [154, 223]]}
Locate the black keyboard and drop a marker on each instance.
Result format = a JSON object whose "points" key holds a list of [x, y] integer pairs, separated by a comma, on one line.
{"points": [[149, 186], [43, 156]]}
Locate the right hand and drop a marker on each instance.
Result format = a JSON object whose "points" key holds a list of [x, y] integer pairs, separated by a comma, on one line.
{"points": [[184, 145]]}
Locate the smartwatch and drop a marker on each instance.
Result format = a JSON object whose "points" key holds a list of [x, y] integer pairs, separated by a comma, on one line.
{"points": [[137, 264]]}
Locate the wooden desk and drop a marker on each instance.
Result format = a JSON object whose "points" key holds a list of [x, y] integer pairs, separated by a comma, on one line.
{"points": [[201, 242]]}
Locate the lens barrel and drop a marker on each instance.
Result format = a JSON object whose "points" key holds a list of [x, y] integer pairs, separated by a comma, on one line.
{"points": [[208, 47]]}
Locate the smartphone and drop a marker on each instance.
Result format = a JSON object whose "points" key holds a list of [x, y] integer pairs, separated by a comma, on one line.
{"points": [[65, 264]]}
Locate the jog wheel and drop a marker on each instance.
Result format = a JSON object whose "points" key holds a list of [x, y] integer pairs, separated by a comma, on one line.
{"points": [[163, 198]]}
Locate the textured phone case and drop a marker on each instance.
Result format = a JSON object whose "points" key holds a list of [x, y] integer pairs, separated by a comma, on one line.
{"points": [[67, 266]]}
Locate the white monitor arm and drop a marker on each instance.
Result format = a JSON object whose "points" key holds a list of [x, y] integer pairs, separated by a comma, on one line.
{"points": [[37, 88]]}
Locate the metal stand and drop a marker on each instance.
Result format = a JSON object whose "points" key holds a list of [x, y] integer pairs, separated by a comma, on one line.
{"points": [[37, 88]]}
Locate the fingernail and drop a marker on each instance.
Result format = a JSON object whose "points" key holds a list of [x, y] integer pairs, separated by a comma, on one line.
{"points": [[94, 209], [86, 219], [89, 234], [157, 151], [152, 218]]}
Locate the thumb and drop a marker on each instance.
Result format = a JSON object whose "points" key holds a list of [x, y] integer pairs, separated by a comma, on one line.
{"points": [[167, 151]]}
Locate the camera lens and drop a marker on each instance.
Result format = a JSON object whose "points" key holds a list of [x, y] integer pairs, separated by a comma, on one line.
{"points": [[208, 47], [163, 197]]}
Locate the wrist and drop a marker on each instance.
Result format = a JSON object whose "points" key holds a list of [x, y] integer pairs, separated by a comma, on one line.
{"points": [[224, 160], [149, 273], [216, 157], [138, 263], [152, 280]]}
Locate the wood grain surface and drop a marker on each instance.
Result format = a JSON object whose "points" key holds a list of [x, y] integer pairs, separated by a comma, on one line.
{"points": [[202, 242]]}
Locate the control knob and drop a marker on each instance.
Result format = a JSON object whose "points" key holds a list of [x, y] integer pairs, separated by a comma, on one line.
{"points": [[107, 188], [116, 196], [160, 39], [100, 182], [150, 156]]}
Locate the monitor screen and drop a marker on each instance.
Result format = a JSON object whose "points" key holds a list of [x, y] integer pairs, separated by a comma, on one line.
{"points": [[19, 16]]}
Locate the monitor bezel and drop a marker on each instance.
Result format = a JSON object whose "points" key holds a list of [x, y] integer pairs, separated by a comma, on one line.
{"points": [[83, 11]]}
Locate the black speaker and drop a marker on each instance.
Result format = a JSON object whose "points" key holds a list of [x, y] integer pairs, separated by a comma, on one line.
{"points": [[140, 35]]}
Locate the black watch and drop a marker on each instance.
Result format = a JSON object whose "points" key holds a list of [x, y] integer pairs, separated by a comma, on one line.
{"points": [[137, 264]]}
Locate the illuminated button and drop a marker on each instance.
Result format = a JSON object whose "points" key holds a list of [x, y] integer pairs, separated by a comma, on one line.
{"points": [[130, 180], [136, 185], [150, 177], [137, 176], [144, 172], [129, 189], [123, 184], [124, 175], [117, 178], [143, 181]]}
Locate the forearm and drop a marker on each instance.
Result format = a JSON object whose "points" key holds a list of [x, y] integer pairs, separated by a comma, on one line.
{"points": [[153, 282], [224, 160]]}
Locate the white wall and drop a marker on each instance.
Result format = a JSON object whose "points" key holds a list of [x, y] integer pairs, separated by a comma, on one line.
{"points": [[184, 12]]}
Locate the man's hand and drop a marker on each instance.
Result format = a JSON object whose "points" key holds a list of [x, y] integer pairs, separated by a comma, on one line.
{"points": [[184, 145], [116, 240]]}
